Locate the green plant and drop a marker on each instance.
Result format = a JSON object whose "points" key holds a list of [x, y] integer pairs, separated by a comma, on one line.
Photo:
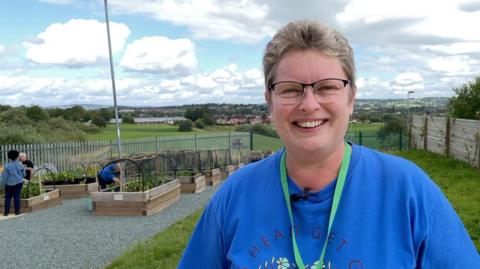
{"points": [[185, 126], [29, 190]]}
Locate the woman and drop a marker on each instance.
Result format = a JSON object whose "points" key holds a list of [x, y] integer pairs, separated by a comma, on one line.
{"points": [[322, 200], [13, 175]]}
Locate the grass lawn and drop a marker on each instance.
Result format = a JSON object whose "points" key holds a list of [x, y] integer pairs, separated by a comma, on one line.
{"points": [[458, 181], [365, 127], [163, 251], [129, 130], [262, 142]]}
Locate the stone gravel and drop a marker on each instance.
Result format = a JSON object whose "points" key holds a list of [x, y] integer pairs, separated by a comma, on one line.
{"points": [[69, 236]]}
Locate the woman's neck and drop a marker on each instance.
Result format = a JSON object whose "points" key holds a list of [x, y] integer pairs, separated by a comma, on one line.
{"points": [[314, 170]]}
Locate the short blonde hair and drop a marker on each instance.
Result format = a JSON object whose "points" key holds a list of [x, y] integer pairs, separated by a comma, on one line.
{"points": [[303, 35]]}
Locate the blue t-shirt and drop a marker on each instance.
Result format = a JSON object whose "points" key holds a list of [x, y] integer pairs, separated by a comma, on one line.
{"points": [[391, 215], [13, 173], [108, 173]]}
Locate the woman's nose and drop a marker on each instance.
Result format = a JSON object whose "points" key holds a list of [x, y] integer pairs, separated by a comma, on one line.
{"points": [[309, 102]]}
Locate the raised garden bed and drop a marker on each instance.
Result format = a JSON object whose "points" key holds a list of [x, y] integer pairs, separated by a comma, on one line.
{"points": [[71, 191], [136, 203], [228, 170], [213, 177], [40, 201], [193, 183]]}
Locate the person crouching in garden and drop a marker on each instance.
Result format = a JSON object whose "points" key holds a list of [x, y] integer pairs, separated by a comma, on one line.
{"points": [[13, 174], [28, 164], [110, 174]]}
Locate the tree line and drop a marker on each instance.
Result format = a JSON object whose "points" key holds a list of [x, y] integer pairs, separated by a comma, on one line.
{"points": [[34, 124]]}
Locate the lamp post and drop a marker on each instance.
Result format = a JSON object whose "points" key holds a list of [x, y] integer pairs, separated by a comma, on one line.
{"points": [[112, 73], [408, 119]]}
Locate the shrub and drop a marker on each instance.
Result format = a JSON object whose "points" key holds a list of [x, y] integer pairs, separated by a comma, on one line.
{"points": [[260, 129], [127, 119], [185, 126], [99, 121], [199, 124]]}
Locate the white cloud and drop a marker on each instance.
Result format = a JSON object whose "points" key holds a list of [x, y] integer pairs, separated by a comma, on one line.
{"points": [[408, 78], [2, 48], [160, 55], [417, 20], [455, 48], [237, 87], [76, 43], [241, 21], [455, 65]]}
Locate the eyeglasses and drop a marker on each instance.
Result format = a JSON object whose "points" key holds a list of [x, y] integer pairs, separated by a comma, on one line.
{"points": [[325, 91]]}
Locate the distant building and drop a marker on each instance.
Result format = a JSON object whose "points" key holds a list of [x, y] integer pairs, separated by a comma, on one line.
{"points": [[167, 120]]}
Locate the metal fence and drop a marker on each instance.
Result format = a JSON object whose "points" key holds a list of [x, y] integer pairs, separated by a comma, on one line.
{"points": [[65, 155], [371, 139]]}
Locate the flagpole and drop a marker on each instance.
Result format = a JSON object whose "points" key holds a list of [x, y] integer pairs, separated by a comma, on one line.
{"points": [[119, 145]]}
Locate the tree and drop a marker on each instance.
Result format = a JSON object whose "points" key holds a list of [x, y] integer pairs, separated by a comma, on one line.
{"points": [[127, 119], [36, 113], [466, 103], [75, 113], [99, 121], [185, 126], [107, 113], [200, 113], [393, 125]]}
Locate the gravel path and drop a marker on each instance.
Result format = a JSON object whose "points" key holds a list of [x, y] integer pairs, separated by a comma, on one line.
{"points": [[68, 236]]}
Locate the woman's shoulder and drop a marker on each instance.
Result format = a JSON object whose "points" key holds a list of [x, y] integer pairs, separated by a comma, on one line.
{"points": [[375, 158], [393, 171]]}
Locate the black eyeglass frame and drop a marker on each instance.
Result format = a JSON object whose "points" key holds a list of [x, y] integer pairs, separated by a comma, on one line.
{"points": [[304, 85]]}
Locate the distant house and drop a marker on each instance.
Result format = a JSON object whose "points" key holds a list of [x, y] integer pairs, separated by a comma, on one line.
{"points": [[167, 120]]}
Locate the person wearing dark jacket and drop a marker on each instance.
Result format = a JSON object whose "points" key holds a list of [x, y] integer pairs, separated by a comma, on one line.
{"points": [[13, 175]]}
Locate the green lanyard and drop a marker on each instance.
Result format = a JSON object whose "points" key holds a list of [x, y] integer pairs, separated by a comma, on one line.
{"points": [[336, 200]]}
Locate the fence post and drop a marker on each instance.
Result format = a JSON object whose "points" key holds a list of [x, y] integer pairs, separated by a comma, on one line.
{"points": [[229, 140], [156, 145], [447, 137], [478, 148], [360, 138], [409, 130], [425, 132], [400, 140], [196, 146], [111, 149], [251, 140]]}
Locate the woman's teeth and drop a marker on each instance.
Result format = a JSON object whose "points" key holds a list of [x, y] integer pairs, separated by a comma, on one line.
{"points": [[310, 124]]}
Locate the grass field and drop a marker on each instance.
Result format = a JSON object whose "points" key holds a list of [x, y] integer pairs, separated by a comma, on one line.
{"points": [[458, 181], [365, 127], [150, 130]]}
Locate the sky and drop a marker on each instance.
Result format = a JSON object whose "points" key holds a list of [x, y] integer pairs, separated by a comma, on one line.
{"points": [[175, 52]]}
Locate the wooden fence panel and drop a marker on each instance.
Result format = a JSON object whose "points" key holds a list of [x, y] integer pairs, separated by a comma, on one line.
{"points": [[436, 127], [463, 140]]}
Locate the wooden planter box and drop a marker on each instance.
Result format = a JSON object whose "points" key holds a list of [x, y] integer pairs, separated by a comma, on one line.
{"points": [[45, 200], [71, 191], [213, 177], [136, 203], [193, 184], [228, 170]]}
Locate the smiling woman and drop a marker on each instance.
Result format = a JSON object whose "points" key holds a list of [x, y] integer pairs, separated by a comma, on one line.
{"points": [[323, 201]]}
